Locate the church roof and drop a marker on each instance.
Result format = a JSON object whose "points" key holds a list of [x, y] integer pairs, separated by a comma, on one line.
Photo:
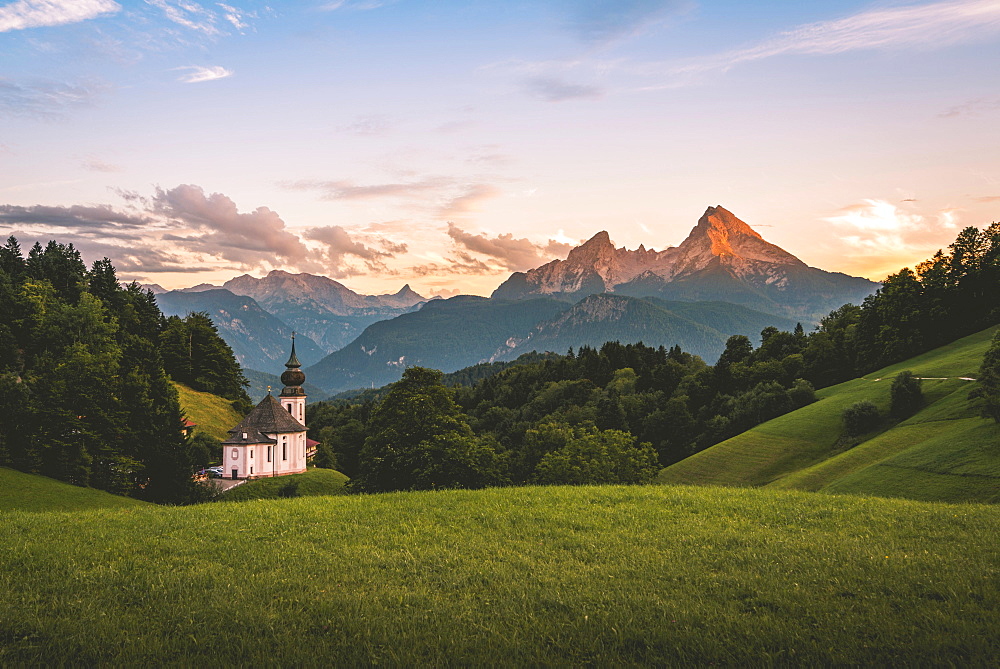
{"points": [[269, 417], [246, 436]]}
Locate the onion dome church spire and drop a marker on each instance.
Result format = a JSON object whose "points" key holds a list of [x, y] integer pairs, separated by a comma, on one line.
{"points": [[293, 377]]}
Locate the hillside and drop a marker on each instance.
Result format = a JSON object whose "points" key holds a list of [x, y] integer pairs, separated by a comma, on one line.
{"points": [[443, 334], [602, 576], [213, 414], [308, 484], [944, 452], [30, 492]]}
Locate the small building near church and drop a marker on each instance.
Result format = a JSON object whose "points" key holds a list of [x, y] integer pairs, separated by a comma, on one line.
{"points": [[271, 440]]}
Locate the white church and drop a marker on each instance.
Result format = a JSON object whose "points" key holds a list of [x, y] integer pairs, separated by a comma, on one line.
{"points": [[271, 440]]}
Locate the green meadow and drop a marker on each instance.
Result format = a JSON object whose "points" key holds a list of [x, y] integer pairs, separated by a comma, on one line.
{"points": [[27, 492], [601, 576], [943, 453]]}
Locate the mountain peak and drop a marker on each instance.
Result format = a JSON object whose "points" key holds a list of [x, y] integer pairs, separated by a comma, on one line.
{"points": [[725, 223], [594, 247]]}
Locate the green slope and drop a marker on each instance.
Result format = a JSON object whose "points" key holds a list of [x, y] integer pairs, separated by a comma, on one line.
{"points": [[310, 483], [574, 576], [919, 458], [213, 414], [29, 492]]}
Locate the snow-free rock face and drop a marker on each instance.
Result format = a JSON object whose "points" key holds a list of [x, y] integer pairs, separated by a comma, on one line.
{"points": [[722, 258]]}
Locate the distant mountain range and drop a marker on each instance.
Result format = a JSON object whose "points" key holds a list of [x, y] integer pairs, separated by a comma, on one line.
{"points": [[722, 259], [259, 340], [723, 279]]}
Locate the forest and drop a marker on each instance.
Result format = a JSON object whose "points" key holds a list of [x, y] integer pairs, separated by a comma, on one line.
{"points": [[85, 371]]}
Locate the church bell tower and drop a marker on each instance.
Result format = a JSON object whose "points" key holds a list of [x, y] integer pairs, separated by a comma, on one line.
{"points": [[293, 397]]}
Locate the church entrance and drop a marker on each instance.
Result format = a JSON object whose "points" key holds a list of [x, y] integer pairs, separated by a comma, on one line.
{"points": [[236, 473]]}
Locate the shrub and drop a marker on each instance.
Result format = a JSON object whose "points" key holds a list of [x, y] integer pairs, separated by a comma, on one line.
{"points": [[860, 417], [907, 397]]}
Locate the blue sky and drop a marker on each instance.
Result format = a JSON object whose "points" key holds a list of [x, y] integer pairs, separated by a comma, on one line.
{"points": [[446, 144]]}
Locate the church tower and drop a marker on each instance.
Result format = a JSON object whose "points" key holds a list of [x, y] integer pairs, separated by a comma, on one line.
{"points": [[293, 398]]}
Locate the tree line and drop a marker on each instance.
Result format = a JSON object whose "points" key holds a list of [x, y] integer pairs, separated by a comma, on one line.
{"points": [[85, 370]]}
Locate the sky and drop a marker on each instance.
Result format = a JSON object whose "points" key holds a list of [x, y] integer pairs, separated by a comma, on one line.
{"points": [[447, 144]]}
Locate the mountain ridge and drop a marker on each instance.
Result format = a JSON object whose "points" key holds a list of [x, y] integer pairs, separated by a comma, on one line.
{"points": [[722, 258]]}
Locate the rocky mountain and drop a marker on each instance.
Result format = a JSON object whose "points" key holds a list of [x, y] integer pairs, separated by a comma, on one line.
{"points": [[698, 327], [721, 259], [444, 334], [259, 340], [326, 311]]}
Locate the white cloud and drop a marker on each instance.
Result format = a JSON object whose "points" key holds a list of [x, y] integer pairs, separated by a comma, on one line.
{"points": [[197, 73], [41, 13], [915, 26], [189, 14]]}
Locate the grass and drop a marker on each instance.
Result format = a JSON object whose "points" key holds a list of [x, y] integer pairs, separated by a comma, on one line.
{"points": [[601, 576], [214, 415], [311, 483], [803, 450], [33, 493]]}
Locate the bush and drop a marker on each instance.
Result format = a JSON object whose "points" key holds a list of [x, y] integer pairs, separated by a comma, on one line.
{"points": [[907, 397], [860, 417]]}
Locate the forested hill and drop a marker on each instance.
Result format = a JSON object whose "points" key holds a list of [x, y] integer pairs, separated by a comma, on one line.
{"points": [[85, 369]]}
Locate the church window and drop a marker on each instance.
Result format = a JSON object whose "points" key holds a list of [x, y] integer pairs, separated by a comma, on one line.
{"points": [[268, 453], [251, 454], [284, 448], [289, 407]]}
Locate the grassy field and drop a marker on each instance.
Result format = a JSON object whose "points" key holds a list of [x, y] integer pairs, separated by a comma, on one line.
{"points": [[28, 492], [213, 414], [917, 458], [311, 483], [599, 576]]}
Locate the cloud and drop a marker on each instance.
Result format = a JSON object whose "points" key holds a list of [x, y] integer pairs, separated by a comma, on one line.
{"points": [[46, 99], [879, 237], [357, 5], [43, 13], [914, 26], [236, 16], [550, 89], [219, 229], [348, 190], [95, 165], [198, 73], [516, 255], [972, 108], [338, 243], [93, 220], [988, 198], [188, 14], [606, 20], [370, 125], [468, 199]]}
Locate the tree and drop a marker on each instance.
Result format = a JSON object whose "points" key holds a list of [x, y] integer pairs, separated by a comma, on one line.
{"points": [[986, 394], [860, 417], [906, 395], [421, 441], [588, 455]]}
